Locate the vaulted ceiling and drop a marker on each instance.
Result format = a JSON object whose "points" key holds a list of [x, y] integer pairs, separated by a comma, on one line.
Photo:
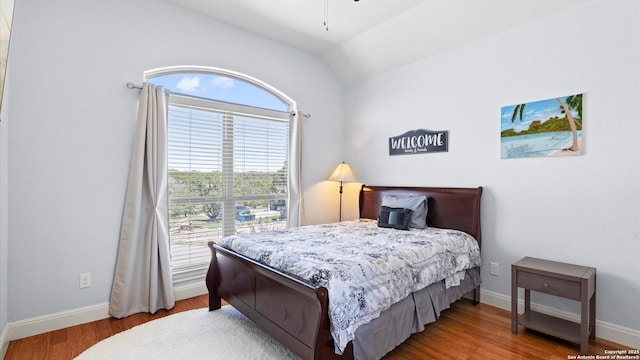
{"points": [[368, 37]]}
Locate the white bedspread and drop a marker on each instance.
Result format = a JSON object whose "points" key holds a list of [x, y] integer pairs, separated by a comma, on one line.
{"points": [[365, 268]]}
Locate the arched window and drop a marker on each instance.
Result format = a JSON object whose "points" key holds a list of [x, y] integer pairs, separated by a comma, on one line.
{"points": [[228, 146]]}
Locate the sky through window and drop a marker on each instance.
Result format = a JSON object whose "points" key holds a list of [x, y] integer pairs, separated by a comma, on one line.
{"points": [[219, 87]]}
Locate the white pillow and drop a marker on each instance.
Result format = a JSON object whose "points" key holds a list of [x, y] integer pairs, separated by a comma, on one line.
{"points": [[417, 203]]}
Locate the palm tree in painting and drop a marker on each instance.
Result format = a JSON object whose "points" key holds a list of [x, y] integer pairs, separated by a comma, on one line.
{"points": [[519, 109], [573, 102]]}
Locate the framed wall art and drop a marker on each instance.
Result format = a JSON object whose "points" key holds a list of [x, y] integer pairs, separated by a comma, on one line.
{"points": [[551, 127]]}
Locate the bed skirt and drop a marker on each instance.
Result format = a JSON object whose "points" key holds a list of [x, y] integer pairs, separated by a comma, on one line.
{"points": [[408, 316]]}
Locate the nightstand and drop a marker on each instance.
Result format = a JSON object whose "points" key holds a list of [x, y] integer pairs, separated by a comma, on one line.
{"points": [[559, 279]]}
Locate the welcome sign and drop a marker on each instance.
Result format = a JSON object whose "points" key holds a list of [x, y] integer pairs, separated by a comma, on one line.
{"points": [[418, 142]]}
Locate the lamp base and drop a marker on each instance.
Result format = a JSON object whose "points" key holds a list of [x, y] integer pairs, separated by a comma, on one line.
{"points": [[340, 217]]}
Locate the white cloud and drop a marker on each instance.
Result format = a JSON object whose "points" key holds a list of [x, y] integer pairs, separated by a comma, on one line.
{"points": [[189, 84], [222, 82]]}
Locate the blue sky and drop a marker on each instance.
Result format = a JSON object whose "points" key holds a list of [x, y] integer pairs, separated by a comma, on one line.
{"points": [[538, 110], [257, 143], [220, 88]]}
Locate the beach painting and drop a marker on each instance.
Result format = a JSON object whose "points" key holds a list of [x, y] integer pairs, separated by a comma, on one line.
{"points": [[551, 127]]}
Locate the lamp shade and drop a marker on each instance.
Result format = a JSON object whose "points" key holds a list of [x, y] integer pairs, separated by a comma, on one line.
{"points": [[343, 173]]}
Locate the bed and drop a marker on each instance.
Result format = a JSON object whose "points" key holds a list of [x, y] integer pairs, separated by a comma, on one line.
{"points": [[296, 313]]}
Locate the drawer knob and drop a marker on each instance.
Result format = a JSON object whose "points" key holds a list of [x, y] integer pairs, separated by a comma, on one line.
{"points": [[546, 285]]}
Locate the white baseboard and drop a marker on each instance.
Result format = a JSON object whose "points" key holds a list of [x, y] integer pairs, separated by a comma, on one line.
{"points": [[4, 341], [604, 330], [41, 324], [192, 290]]}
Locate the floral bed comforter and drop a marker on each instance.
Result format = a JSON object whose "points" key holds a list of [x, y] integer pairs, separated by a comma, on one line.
{"points": [[365, 268]]}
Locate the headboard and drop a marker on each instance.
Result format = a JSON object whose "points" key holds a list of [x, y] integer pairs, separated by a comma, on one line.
{"points": [[448, 208]]}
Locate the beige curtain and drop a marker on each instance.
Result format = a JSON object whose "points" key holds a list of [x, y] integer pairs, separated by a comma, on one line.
{"points": [[142, 281], [296, 206]]}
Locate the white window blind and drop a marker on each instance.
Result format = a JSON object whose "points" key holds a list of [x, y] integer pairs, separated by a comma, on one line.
{"points": [[227, 174]]}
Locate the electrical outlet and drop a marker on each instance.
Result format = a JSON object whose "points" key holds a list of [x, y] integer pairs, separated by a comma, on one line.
{"points": [[495, 269], [85, 280]]}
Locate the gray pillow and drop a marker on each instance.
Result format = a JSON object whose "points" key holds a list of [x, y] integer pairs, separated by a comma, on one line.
{"points": [[416, 203]]}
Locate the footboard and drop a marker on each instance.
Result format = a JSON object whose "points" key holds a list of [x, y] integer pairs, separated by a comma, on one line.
{"points": [[291, 311]]}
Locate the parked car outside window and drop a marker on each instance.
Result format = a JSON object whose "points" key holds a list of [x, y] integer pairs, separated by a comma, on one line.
{"points": [[243, 213]]}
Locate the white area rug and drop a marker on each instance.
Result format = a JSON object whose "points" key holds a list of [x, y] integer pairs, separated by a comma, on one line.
{"points": [[192, 335]]}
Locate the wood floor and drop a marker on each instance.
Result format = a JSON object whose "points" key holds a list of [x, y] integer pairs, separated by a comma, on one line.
{"points": [[462, 332]]}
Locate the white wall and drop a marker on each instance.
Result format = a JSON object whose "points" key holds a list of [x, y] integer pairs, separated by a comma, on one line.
{"points": [[72, 123], [582, 210], [4, 219]]}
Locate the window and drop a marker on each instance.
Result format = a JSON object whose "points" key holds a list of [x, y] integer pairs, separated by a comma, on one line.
{"points": [[228, 146]]}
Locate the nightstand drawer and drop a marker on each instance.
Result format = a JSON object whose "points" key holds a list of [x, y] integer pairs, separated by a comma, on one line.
{"points": [[559, 287]]}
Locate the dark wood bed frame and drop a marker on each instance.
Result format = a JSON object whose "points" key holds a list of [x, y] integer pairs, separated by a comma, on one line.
{"points": [[296, 314]]}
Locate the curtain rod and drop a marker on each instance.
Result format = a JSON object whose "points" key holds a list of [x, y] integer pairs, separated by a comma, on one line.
{"points": [[132, 86]]}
